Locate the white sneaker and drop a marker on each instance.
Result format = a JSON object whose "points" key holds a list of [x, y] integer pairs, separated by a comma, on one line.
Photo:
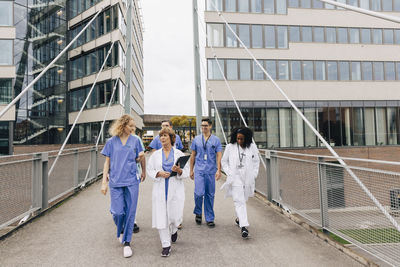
{"points": [[120, 238], [127, 251]]}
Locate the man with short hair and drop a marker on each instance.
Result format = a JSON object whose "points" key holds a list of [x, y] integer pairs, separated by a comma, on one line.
{"points": [[156, 143], [205, 168]]}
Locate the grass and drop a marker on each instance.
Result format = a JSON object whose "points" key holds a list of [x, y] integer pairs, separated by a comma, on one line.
{"points": [[373, 236], [336, 238]]}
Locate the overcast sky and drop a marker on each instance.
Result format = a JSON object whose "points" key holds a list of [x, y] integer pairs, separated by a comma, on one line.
{"points": [[168, 57]]}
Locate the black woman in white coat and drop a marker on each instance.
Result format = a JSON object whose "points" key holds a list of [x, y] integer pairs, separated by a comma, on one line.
{"points": [[240, 163], [168, 195]]}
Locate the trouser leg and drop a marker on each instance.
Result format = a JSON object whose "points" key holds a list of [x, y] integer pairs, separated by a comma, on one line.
{"points": [[209, 197], [198, 193], [240, 205], [165, 237], [117, 208], [131, 198]]}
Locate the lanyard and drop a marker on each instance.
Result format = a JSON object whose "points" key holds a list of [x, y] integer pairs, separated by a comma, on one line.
{"points": [[240, 157], [205, 144]]}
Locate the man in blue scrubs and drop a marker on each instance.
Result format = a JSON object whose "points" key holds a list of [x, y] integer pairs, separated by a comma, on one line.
{"points": [[156, 143], [205, 168]]}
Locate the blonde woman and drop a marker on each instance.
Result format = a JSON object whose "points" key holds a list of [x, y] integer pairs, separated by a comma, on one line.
{"points": [[168, 195], [121, 152]]}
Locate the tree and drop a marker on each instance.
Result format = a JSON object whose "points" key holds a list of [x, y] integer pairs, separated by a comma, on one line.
{"points": [[183, 121]]}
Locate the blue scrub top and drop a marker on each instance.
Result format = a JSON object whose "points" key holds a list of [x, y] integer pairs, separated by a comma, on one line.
{"points": [[122, 160], [156, 143], [167, 164], [212, 146]]}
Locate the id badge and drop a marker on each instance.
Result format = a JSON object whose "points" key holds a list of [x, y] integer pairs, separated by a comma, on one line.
{"points": [[205, 156]]}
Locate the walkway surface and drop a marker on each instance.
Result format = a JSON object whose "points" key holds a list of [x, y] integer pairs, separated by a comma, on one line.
{"points": [[80, 232]]}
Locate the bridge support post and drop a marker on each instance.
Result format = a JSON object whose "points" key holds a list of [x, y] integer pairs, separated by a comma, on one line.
{"points": [[40, 180], [274, 174], [268, 174], [76, 167], [93, 163], [323, 193]]}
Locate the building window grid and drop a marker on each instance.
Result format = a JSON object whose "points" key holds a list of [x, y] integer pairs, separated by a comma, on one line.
{"points": [[375, 35], [214, 72]]}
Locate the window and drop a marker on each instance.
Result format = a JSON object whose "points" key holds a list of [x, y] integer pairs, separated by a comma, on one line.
{"points": [[366, 70], [332, 70], [320, 70], [271, 68], [231, 40], [256, 6], [306, 34], [342, 35], [387, 5], [319, 35], [295, 70], [390, 73], [354, 35], [294, 32], [6, 13], [376, 5], [213, 5], [231, 69], [108, 20], [397, 36], [396, 6], [244, 34], [214, 72], [377, 36], [317, 4], [331, 35], [378, 71], [308, 70], [305, 3], [344, 71], [269, 6], [364, 4], [6, 52], [388, 36], [283, 68], [215, 35], [294, 3], [230, 5], [269, 36], [258, 73], [281, 7], [6, 91], [245, 73], [355, 71], [282, 37], [243, 6], [365, 36], [257, 36]]}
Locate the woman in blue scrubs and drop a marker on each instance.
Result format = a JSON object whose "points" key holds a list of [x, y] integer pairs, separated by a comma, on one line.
{"points": [[121, 152]]}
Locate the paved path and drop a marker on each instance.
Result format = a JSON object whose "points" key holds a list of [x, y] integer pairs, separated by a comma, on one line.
{"points": [[80, 232]]}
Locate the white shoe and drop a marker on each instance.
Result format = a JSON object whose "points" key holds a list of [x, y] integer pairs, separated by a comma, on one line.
{"points": [[127, 251], [120, 238]]}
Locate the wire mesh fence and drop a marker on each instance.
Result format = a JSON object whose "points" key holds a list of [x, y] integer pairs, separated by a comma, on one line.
{"points": [[25, 187], [324, 193]]}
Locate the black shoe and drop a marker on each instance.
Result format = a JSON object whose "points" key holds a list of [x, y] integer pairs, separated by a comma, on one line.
{"points": [[245, 232], [198, 218], [174, 237], [166, 252], [211, 224], [237, 221], [135, 228]]}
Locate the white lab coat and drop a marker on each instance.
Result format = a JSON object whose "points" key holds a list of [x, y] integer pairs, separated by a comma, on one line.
{"points": [[240, 177], [172, 209]]}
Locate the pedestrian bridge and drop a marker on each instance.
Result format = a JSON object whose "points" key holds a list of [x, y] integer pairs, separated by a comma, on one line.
{"points": [[80, 231]]}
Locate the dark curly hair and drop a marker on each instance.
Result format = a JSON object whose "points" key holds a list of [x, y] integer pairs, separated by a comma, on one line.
{"points": [[248, 135]]}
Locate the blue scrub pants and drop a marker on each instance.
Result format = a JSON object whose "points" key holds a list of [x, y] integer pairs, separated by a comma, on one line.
{"points": [[204, 189], [123, 209]]}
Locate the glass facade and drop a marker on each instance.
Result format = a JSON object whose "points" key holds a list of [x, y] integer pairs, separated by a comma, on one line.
{"points": [[6, 91], [87, 133], [341, 123], [6, 13], [4, 137]]}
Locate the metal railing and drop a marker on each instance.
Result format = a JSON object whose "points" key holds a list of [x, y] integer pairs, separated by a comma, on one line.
{"points": [[321, 191], [27, 190]]}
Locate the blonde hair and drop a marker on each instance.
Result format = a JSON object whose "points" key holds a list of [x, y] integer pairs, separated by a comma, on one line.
{"points": [[170, 132], [117, 127]]}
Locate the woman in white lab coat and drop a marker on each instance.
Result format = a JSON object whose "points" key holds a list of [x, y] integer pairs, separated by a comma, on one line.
{"points": [[168, 195], [240, 162]]}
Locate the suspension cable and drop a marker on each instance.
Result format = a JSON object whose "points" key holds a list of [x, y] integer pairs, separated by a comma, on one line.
{"points": [[48, 66], [80, 112], [333, 152]]}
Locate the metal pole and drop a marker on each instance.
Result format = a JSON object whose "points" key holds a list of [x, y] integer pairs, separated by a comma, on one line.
{"points": [[197, 76], [128, 70], [268, 174], [323, 193], [45, 181]]}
